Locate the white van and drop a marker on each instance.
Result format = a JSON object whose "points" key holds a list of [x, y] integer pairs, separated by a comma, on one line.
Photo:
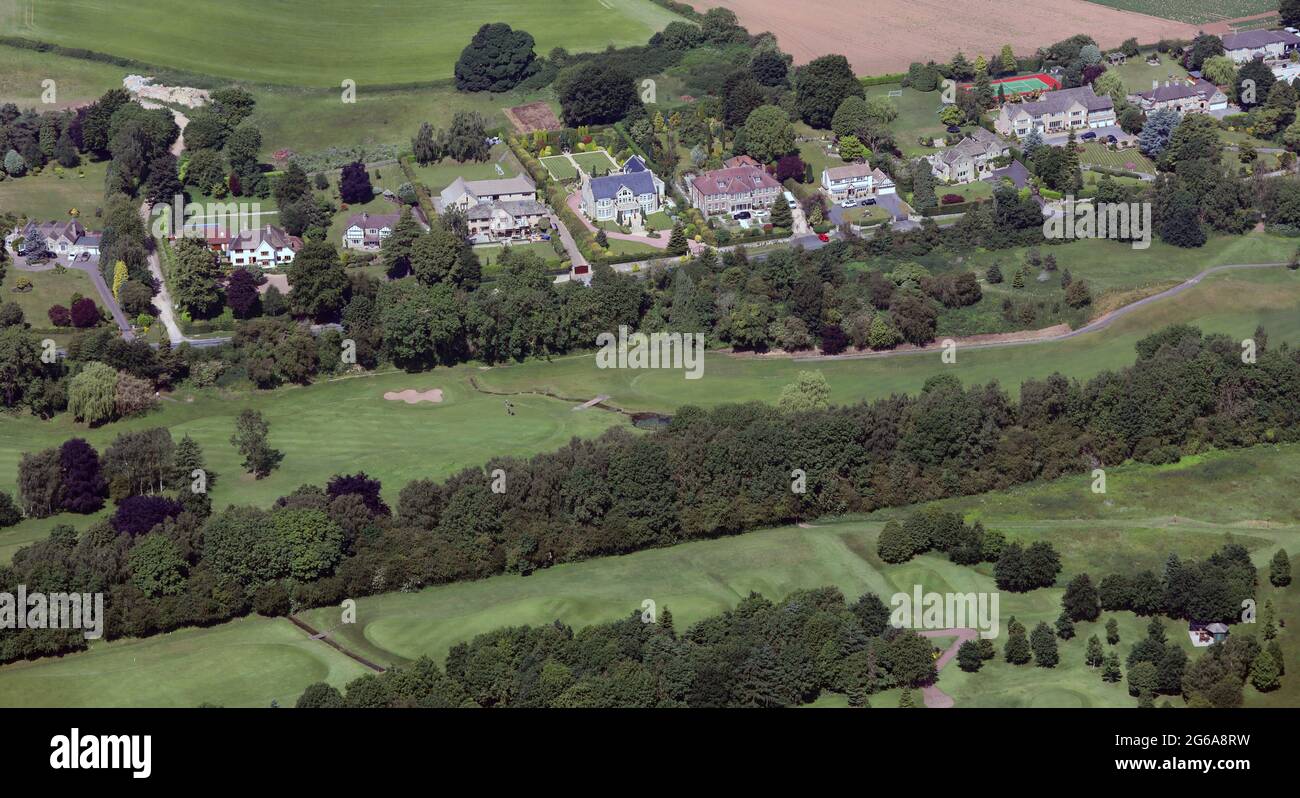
{"points": [[790, 200]]}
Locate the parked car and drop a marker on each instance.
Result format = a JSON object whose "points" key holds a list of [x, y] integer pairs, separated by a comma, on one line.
{"points": [[823, 237], [954, 129], [742, 215], [1089, 136], [849, 203]]}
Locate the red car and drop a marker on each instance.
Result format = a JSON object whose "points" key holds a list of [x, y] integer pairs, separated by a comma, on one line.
{"points": [[823, 237]]}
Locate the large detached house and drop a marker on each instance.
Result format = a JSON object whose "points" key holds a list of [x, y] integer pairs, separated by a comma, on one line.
{"points": [[1056, 112], [1184, 96], [367, 231], [970, 159], [63, 238], [465, 194], [855, 181], [266, 246], [625, 197], [1267, 44], [742, 185], [505, 220]]}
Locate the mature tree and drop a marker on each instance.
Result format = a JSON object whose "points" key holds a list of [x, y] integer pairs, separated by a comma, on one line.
{"points": [[354, 184], [969, 657], [318, 280], [92, 394], [156, 565], [1253, 82], [1279, 569], [1080, 601], [769, 67], [741, 94], [767, 134], [205, 170], [425, 146], [395, 251], [596, 93], [421, 323], [809, 391], [1157, 131], [1180, 222], [85, 313], [1205, 45], [250, 439], [313, 541], [497, 59], [320, 695], [677, 243], [782, 216], [195, 278], [1017, 650], [40, 483], [136, 515], [466, 137], [241, 293], [83, 485], [1094, 655], [435, 257], [820, 87], [1043, 643]]}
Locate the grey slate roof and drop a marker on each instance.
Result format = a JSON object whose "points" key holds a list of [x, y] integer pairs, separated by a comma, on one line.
{"points": [[1055, 102], [1252, 39], [607, 187]]}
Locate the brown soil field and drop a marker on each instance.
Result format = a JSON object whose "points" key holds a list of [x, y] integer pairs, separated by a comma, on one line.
{"points": [[533, 116], [884, 36]]}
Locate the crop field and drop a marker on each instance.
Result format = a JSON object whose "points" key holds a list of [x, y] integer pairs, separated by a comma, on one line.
{"points": [[898, 32], [323, 43], [1194, 11], [1190, 508]]}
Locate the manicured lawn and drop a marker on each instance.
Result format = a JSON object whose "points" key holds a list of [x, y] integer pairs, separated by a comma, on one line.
{"points": [[1130, 159], [411, 41], [437, 176], [1137, 76], [48, 288], [560, 167], [1232, 303], [918, 115], [344, 425], [245, 663], [595, 163], [51, 194], [490, 255]]}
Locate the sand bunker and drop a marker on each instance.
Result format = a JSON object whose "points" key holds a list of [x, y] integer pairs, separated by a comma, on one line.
{"points": [[412, 396]]}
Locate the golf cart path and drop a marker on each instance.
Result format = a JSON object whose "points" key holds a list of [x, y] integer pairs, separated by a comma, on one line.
{"points": [[933, 696], [1050, 334]]}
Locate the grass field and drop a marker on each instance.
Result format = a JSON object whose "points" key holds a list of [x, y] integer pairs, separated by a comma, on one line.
{"points": [[405, 41], [918, 115], [334, 427], [595, 163], [1232, 303], [245, 663], [1188, 508], [50, 195], [1130, 160], [1195, 11], [48, 288], [560, 167]]}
